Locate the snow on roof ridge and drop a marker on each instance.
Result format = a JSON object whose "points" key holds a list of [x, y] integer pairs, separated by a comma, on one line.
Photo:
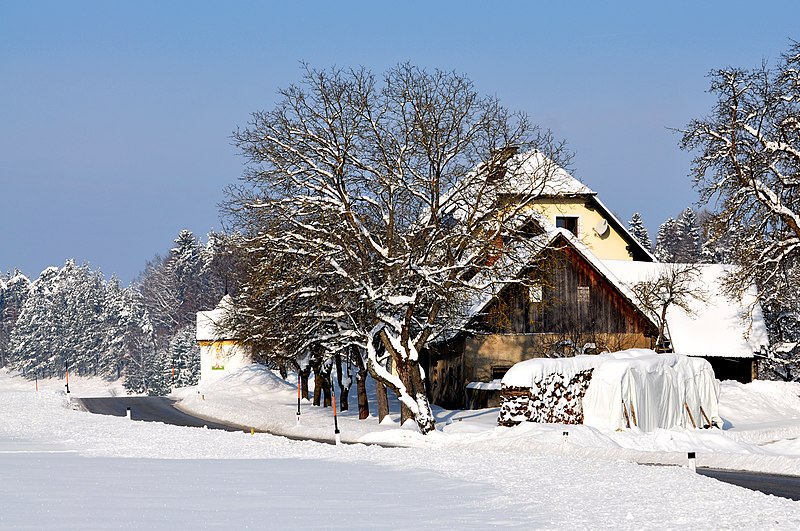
{"points": [[558, 182]]}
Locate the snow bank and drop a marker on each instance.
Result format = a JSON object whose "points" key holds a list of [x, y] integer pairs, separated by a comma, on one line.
{"points": [[631, 388]]}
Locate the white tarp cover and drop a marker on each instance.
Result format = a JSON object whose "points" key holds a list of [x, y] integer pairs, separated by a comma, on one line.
{"points": [[656, 388]]}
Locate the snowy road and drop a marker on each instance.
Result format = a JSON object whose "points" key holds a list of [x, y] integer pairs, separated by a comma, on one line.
{"points": [[151, 409], [783, 486]]}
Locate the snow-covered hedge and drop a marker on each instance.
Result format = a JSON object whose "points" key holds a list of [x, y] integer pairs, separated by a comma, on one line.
{"points": [[618, 390]]}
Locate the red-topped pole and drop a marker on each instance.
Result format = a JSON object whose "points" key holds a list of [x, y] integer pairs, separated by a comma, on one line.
{"points": [[298, 397], [335, 420]]}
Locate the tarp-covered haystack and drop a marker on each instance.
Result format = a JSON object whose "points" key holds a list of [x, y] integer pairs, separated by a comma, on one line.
{"points": [[631, 388]]}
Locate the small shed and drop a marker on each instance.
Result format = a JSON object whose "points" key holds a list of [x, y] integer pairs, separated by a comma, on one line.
{"points": [[220, 352], [729, 332]]}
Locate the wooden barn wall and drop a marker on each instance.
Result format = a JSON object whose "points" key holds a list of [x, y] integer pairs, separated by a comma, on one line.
{"points": [[446, 378], [565, 308]]}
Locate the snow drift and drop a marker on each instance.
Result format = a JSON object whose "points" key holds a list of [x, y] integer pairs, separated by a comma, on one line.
{"points": [[631, 388]]}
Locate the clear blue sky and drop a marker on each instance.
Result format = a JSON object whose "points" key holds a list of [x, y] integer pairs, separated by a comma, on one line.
{"points": [[115, 117]]}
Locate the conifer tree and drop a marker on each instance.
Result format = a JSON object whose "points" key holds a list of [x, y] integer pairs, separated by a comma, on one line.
{"points": [[639, 231], [184, 357], [665, 241], [689, 245], [14, 288], [34, 339], [679, 240]]}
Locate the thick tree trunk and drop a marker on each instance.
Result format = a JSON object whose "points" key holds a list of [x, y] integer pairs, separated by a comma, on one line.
{"points": [[322, 386], [327, 389], [317, 387], [345, 381], [411, 377], [383, 401], [410, 374], [361, 388], [304, 375]]}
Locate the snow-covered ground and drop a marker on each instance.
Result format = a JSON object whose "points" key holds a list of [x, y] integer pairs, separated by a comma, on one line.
{"points": [[67, 469]]}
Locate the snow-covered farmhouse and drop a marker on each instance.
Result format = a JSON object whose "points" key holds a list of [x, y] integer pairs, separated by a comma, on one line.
{"points": [[220, 354], [585, 305]]}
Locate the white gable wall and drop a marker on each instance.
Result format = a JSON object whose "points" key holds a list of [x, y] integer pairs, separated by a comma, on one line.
{"points": [[219, 354]]}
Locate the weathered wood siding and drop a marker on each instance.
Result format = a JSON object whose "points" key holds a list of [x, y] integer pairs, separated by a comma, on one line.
{"points": [[575, 300]]}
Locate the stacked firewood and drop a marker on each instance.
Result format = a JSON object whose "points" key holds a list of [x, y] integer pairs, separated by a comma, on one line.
{"points": [[552, 399]]}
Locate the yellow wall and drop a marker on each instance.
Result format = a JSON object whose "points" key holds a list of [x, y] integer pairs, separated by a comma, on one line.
{"points": [[611, 246]]}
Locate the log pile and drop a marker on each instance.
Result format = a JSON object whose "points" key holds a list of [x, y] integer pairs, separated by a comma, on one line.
{"points": [[552, 399]]}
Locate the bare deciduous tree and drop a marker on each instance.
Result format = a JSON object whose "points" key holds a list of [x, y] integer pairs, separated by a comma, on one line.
{"points": [[676, 285], [388, 198], [748, 163]]}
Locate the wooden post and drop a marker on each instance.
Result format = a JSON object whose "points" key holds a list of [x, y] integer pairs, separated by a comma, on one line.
{"points": [[625, 411], [690, 415], [708, 422], [633, 415]]}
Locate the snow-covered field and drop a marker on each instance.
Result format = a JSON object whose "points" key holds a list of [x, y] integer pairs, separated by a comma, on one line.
{"points": [[67, 469]]}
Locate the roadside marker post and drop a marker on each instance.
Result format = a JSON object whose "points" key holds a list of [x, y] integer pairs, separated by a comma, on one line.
{"points": [[66, 370], [336, 436], [298, 398], [128, 413], [692, 463]]}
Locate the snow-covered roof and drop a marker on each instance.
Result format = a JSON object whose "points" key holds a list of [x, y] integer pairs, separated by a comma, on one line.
{"points": [[718, 326], [554, 181], [534, 166], [209, 323]]}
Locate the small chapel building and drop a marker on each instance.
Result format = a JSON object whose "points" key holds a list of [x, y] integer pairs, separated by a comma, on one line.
{"points": [[220, 352]]}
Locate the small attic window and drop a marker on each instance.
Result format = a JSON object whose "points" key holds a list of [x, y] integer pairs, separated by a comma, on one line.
{"points": [[568, 222], [498, 371]]}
